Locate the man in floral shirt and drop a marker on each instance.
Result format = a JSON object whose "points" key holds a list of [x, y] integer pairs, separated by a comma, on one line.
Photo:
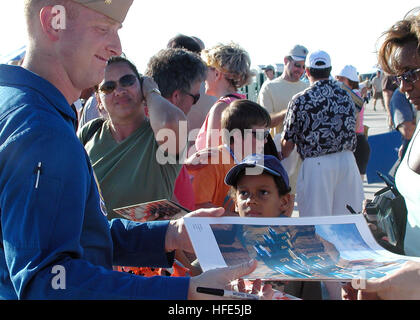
{"points": [[321, 122]]}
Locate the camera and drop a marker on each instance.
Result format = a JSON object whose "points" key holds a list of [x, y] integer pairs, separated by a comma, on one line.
{"points": [[379, 211]]}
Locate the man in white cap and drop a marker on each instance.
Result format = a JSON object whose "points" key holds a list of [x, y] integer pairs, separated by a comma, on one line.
{"points": [[321, 122], [349, 81], [56, 242], [275, 96]]}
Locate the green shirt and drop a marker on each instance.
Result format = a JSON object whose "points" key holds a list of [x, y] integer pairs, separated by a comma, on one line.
{"points": [[128, 172]]}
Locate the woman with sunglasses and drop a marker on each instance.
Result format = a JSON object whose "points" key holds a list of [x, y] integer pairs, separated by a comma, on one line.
{"points": [[125, 149], [228, 70], [399, 55]]}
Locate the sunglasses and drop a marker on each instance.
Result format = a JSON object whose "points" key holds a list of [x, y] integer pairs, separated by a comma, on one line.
{"points": [[299, 66], [195, 97], [410, 76], [125, 81], [259, 134]]}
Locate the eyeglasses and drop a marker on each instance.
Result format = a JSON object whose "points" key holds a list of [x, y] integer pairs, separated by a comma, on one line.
{"points": [[410, 76], [297, 65], [195, 97], [125, 81], [260, 134]]}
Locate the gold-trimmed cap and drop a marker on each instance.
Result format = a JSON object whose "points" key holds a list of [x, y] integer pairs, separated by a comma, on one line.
{"points": [[115, 9]]}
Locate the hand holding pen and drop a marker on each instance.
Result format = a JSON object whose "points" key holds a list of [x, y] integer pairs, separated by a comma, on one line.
{"points": [[216, 284]]}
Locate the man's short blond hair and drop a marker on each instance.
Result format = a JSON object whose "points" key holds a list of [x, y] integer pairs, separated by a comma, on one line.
{"points": [[33, 7]]}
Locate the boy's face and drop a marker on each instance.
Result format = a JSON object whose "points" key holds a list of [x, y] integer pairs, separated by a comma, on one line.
{"points": [[257, 196]]}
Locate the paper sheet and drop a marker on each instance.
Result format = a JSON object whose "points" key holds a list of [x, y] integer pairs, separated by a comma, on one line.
{"points": [[337, 248]]}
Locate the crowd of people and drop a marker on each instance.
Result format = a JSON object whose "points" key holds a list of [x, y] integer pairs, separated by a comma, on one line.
{"points": [[94, 134]]}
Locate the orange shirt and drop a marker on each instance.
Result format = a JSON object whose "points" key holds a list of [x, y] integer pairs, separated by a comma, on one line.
{"points": [[209, 180]]}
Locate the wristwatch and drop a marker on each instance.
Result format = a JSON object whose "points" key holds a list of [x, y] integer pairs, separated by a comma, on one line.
{"points": [[155, 90]]}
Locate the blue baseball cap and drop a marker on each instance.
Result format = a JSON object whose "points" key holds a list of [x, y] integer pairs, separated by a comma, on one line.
{"points": [[269, 164]]}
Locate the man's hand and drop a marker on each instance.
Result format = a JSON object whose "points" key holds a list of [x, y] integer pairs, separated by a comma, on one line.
{"points": [[222, 279], [177, 235], [403, 284]]}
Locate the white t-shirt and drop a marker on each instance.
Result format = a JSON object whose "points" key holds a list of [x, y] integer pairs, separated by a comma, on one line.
{"points": [[275, 95], [407, 181]]}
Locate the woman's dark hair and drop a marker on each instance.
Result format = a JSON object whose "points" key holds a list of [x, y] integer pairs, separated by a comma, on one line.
{"points": [[121, 59], [353, 84], [184, 42], [118, 59], [399, 35]]}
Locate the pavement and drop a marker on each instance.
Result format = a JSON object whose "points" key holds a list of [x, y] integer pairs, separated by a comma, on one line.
{"points": [[377, 123]]}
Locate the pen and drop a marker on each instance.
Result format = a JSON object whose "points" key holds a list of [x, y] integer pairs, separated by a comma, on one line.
{"points": [[228, 293], [38, 172], [351, 209]]}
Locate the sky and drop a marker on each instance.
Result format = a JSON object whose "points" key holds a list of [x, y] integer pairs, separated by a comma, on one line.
{"points": [[267, 29]]}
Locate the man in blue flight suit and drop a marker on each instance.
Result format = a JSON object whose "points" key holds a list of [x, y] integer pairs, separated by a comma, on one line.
{"points": [[52, 225]]}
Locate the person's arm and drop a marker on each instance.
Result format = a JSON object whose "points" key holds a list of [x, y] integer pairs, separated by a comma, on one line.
{"points": [[407, 129], [177, 237], [290, 125], [287, 147], [387, 94], [57, 243], [165, 119], [402, 114], [278, 118], [214, 123]]}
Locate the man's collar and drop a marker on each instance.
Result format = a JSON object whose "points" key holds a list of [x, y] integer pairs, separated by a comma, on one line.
{"points": [[18, 76]]}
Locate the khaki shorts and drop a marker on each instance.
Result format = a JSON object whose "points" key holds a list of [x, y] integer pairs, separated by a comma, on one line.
{"points": [[378, 95]]}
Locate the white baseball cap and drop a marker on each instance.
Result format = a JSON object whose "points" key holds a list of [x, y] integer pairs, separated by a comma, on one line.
{"points": [[350, 73], [318, 60]]}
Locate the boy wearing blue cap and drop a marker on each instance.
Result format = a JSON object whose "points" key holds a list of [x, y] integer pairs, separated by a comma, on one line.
{"points": [[260, 188], [260, 195]]}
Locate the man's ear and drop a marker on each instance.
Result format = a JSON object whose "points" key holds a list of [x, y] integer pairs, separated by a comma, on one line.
{"points": [[52, 21], [218, 74], [175, 97], [307, 72]]}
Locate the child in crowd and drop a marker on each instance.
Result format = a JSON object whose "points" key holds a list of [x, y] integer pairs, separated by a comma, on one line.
{"points": [[266, 193], [245, 126], [229, 68], [260, 195]]}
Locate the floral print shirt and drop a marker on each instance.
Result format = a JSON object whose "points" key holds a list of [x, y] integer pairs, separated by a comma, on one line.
{"points": [[321, 120]]}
